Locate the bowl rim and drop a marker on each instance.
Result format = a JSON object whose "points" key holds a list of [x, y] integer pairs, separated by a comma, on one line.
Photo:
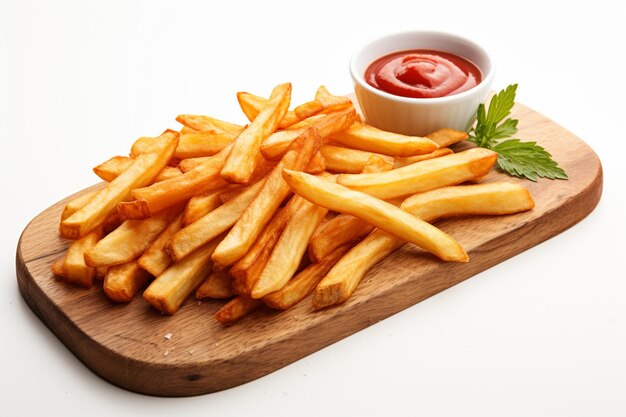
{"points": [[485, 82]]}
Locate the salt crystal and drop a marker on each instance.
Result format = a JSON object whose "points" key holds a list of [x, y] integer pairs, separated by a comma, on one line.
{"points": [[167, 352], [168, 336]]}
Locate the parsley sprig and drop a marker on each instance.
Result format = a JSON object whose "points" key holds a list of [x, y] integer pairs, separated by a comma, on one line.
{"points": [[520, 159]]}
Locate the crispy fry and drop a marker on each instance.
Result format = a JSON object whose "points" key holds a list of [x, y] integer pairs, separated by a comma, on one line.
{"points": [[277, 144], [205, 123], [446, 137], [122, 282], [164, 194], [188, 164], [58, 267], [491, 199], [346, 160], [376, 212], [76, 270], [113, 167], [368, 138], [423, 176], [328, 100], [303, 284], [130, 240], [236, 309], [289, 250], [155, 260], [402, 161], [247, 270], [203, 230], [191, 145], [145, 168], [201, 204], [258, 214], [245, 152], [170, 289], [252, 105], [77, 203], [316, 165], [217, 285], [481, 199], [344, 228]]}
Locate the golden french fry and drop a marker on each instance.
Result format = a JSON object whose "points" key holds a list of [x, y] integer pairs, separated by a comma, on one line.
{"points": [[245, 152], [145, 168], [170, 289], [217, 285], [252, 105], [303, 284], [422, 176], [402, 161], [247, 270], [258, 214], [77, 203], [289, 250], [377, 212], [203, 230], [330, 101], [187, 129], [192, 145], [122, 282], [58, 267], [155, 259], [205, 123], [336, 232], [200, 205], [76, 270], [489, 199], [113, 167], [188, 164], [168, 193], [277, 144], [345, 228], [130, 240], [236, 309], [346, 160], [368, 138], [446, 137], [492, 199], [316, 165]]}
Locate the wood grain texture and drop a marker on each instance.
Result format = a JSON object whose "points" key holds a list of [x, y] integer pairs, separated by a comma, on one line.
{"points": [[125, 343]]}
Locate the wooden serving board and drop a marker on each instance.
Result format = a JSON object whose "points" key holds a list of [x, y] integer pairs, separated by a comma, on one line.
{"points": [[125, 344]]}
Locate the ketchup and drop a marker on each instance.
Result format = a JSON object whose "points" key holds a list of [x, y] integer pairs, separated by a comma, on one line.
{"points": [[422, 73]]}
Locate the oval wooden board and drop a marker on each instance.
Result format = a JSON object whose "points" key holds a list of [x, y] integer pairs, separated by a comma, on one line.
{"points": [[125, 344]]}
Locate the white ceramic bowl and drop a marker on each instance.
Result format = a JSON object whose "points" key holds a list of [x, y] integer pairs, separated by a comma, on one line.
{"points": [[420, 116]]}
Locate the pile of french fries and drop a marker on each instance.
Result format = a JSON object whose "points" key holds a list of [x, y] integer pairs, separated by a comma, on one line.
{"points": [[296, 202]]}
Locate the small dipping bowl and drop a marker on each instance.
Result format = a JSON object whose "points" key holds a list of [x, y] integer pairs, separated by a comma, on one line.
{"points": [[420, 116]]}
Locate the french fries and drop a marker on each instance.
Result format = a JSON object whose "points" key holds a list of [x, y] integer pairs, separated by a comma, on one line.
{"points": [[122, 282], [452, 169], [170, 289], [488, 199], [260, 211], [217, 285], [305, 282], [236, 309], [139, 174], [227, 211], [155, 259], [376, 212], [288, 252], [277, 144], [368, 138], [75, 269], [129, 241], [161, 195], [203, 230], [245, 152]]}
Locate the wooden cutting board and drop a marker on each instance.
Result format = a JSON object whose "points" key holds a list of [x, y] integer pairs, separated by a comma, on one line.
{"points": [[126, 344]]}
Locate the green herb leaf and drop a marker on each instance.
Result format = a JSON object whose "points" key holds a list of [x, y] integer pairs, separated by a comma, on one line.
{"points": [[527, 160], [521, 159]]}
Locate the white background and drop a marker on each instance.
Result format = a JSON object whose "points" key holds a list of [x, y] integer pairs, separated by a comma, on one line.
{"points": [[541, 334]]}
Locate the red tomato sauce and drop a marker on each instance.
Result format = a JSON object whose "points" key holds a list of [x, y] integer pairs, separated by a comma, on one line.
{"points": [[423, 73]]}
